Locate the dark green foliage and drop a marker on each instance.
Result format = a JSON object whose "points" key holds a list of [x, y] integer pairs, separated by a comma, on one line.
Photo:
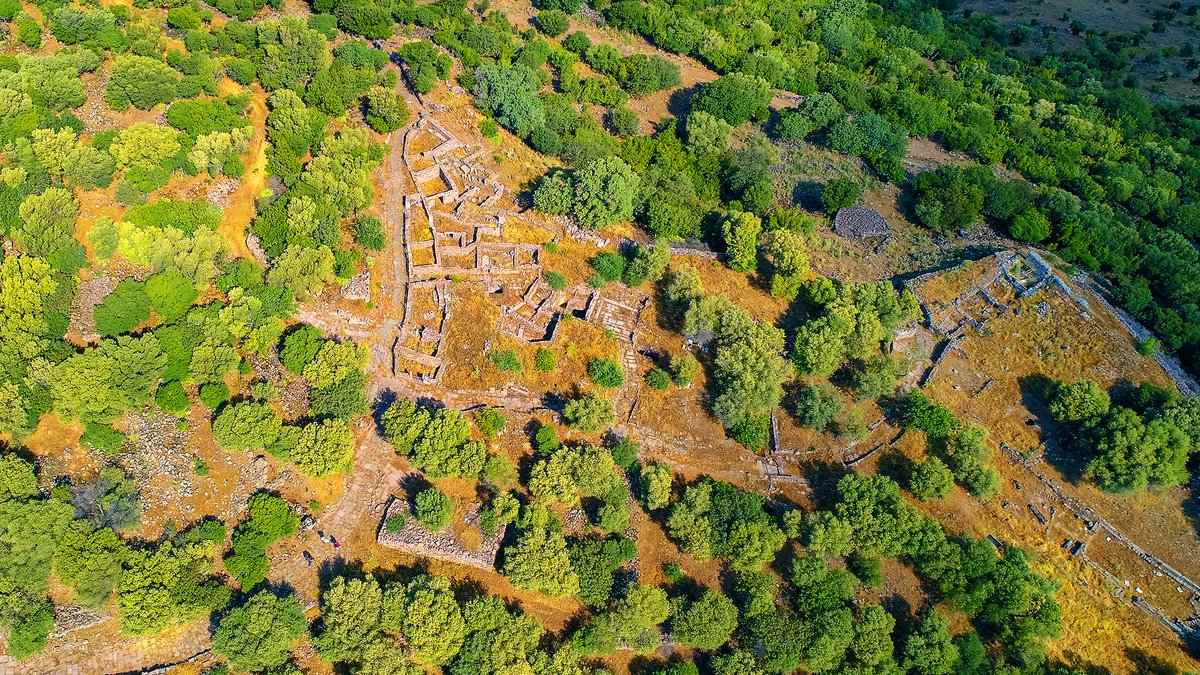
{"points": [[658, 379], [270, 519], [123, 309], [704, 624], [735, 98], [205, 116], [552, 22], [506, 361], [605, 373], [950, 199], [868, 569], [838, 194], [102, 438], [596, 560], [171, 294], [609, 266], [426, 64], [90, 561], [369, 234], [395, 523], [625, 453], [140, 81], [433, 508], [817, 406], [932, 418], [300, 347], [876, 377], [545, 440], [213, 394]]}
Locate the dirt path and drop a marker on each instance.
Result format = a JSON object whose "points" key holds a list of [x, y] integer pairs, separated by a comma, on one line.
{"points": [[242, 203]]}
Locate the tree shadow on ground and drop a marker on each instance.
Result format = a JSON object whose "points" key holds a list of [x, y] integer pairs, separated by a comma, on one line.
{"points": [[1065, 448]]}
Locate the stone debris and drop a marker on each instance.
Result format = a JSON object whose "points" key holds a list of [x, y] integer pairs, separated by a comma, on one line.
{"points": [[414, 538], [68, 618], [89, 294], [158, 457], [857, 222], [358, 287], [221, 190]]}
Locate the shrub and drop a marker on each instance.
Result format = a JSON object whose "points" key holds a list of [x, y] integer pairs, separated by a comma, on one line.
{"points": [[931, 479], [544, 360], [838, 194], [817, 406], [506, 361], [433, 509], [658, 379], [1079, 402], [553, 22], [625, 453], [369, 234], [300, 347], [545, 439], [395, 523], [386, 110], [685, 369], [172, 398], [556, 281], [606, 373], [624, 122], [589, 414], [490, 422], [609, 266], [213, 394], [102, 438], [123, 309]]}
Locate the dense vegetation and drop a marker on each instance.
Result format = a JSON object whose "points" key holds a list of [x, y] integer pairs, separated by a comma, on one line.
{"points": [[191, 331]]}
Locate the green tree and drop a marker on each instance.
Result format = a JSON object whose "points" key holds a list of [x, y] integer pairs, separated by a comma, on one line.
{"points": [[303, 271], [838, 194], [300, 347], [931, 479], [589, 414], [605, 192], [142, 81], [433, 509], [553, 22], [324, 447], [606, 373], [1081, 401], [741, 231], [433, 625], [90, 561], [704, 624], [817, 406], [734, 98], [426, 64], [539, 561], [386, 110], [350, 615], [931, 648], [259, 634], [123, 310]]}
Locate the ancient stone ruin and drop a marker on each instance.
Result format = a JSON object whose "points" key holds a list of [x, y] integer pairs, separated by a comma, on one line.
{"points": [[857, 222], [414, 538]]}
